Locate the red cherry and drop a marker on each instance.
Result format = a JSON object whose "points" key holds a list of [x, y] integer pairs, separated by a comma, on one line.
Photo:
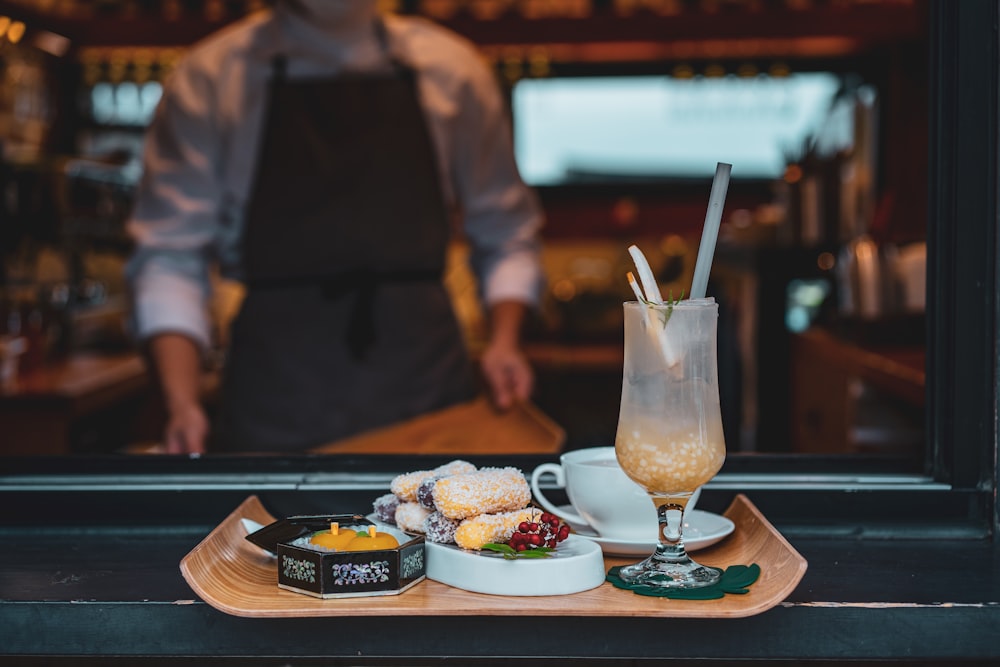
{"points": [[523, 527], [533, 527]]}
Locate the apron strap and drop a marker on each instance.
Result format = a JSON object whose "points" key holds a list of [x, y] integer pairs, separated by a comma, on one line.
{"points": [[382, 35], [279, 61], [364, 284]]}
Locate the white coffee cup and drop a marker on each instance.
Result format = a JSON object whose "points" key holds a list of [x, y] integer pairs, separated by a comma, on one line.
{"points": [[603, 496]]}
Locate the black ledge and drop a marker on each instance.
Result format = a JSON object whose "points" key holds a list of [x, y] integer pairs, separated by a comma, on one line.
{"points": [[89, 575]]}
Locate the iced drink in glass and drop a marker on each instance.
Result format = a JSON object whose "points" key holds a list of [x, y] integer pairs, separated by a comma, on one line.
{"points": [[670, 438]]}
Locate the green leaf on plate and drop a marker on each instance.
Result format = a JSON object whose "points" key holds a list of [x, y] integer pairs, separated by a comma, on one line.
{"points": [[510, 553]]}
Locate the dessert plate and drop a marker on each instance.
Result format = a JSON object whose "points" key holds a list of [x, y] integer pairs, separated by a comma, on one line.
{"points": [[701, 529], [576, 565]]}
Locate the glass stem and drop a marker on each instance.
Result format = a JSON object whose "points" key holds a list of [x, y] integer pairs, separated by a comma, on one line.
{"points": [[670, 544], [669, 566]]}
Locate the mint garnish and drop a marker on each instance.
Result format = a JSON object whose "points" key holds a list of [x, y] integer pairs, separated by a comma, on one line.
{"points": [[510, 553]]}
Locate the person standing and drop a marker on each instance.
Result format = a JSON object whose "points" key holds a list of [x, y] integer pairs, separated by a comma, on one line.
{"points": [[317, 152]]}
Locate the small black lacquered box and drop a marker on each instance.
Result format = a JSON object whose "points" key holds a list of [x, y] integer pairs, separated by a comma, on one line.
{"points": [[336, 574]]}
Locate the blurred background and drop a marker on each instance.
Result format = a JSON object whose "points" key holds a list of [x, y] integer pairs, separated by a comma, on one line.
{"points": [[621, 110]]}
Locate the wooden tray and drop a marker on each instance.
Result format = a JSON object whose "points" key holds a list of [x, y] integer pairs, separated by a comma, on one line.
{"points": [[236, 577], [475, 427]]}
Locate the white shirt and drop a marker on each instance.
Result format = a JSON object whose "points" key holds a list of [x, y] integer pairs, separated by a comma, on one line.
{"points": [[201, 146]]}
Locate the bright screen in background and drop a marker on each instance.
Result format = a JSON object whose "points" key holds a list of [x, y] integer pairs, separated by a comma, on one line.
{"points": [[600, 129], [125, 103]]}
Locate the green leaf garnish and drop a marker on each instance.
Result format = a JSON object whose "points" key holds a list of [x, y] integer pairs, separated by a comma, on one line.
{"points": [[670, 299], [670, 302], [510, 553], [535, 552], [500, 548]]}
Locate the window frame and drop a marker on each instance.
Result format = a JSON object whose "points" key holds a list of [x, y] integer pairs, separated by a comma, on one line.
{"points": [[962, 243]]}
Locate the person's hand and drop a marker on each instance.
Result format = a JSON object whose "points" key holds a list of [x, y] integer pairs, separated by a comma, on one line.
{"points": [[176, 362], [508, 374], [186, 431]]}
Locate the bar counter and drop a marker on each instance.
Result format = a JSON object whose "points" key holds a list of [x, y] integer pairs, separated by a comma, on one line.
{"points": [[90, 575], [48, 409]]}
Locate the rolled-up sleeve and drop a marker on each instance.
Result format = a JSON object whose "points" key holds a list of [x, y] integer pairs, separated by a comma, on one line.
{"points": [[502, 215], [175, 220]]}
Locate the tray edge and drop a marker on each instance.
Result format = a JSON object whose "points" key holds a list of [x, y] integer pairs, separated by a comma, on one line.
{"points": [[252, 507]]}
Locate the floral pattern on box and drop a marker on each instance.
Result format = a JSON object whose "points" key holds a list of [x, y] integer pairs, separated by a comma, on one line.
{"points": [[413, 563], [346, 574], [300, 570]]}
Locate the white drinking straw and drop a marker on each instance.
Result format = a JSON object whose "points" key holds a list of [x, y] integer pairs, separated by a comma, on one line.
{"points": [[645, 275], [710, 233], [658, 333], [635, 288]]}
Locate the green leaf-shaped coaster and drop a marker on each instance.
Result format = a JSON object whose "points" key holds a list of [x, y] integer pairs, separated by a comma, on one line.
{"points": [[736, 579]]}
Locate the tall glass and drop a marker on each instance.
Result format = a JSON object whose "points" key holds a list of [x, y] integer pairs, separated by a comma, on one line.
{"points": [[670, 438]]}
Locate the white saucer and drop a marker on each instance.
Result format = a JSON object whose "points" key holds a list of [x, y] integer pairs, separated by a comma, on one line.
{"points": [[701, 529], [576, 565]]}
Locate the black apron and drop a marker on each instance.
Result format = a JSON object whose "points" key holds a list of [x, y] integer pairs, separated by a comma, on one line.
{"points": [[346, 325]]}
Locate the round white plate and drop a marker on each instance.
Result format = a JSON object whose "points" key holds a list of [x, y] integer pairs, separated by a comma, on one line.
{"points": [[576, 565], [701, 529]]}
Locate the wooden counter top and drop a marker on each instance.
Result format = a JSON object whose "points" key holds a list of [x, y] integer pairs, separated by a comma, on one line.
{"points": [[828, 375], [897, 369], [85, 402], [85, 380], [575, 356], [475, 427]]}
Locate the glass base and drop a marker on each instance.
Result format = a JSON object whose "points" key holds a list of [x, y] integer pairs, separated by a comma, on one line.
{"points": [[664, 572], [670, 566]]}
